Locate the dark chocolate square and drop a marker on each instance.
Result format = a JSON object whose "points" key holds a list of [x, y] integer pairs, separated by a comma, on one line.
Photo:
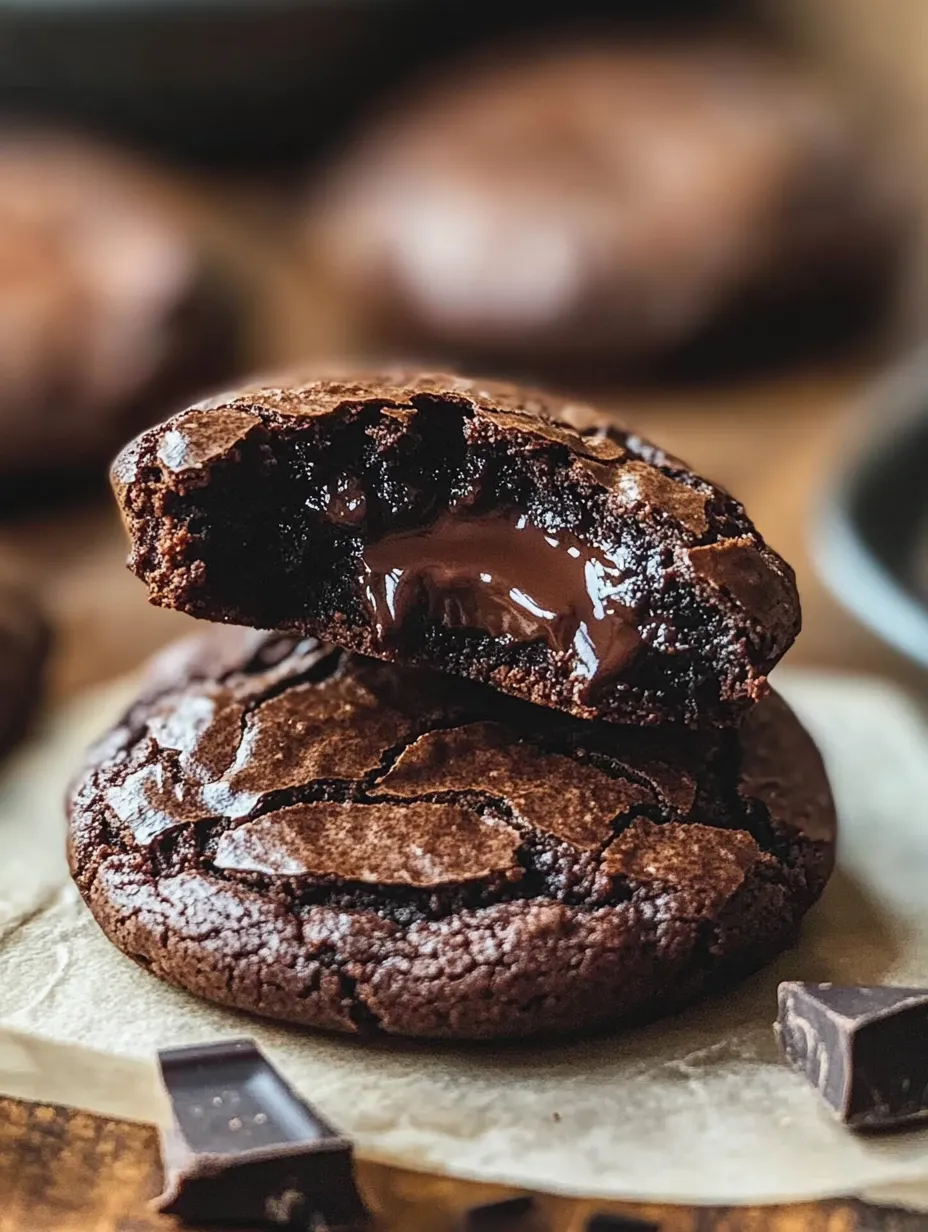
{"points": [[864, 1049], [245, 1148]]}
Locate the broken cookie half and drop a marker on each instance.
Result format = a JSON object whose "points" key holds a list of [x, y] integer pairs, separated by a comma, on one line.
{"points": [[478, 529]]}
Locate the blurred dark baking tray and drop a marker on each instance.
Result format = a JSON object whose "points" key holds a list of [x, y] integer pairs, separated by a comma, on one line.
{"points": [[216, 79], [871, 535], [246, 80]]}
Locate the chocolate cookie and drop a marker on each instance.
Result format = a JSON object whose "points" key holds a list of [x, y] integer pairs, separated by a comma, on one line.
{"points": [[479, 529], [108, 310], [24, 643], [311, 835], [610, 205]]}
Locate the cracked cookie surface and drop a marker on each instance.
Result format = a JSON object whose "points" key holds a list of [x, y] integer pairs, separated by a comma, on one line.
{"points": [[476, 528], [291, 829]]}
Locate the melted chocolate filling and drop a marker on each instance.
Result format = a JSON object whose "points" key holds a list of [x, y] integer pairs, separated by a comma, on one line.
{"points": [[503, 576]]}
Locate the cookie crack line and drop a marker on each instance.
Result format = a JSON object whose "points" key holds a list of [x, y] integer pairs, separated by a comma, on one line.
{"points": [[192, 842], [363, 793], [539, 881]]}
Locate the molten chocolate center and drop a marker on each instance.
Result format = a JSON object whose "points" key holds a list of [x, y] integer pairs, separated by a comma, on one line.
{"points": [[505, 577]]}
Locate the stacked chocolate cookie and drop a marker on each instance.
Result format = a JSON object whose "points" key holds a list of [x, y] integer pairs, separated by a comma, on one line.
{"points": [[508, 764]]}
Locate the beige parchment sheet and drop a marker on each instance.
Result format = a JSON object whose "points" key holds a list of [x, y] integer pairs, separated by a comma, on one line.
{"points": [[695, 1109]]}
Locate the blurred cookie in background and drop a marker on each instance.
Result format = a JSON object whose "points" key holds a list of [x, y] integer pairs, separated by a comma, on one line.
{"points": [[109, 310], [612, 207], [24, 644]]}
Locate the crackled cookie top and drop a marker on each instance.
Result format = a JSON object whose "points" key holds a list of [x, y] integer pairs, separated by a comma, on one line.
{"points": [[396, 821]]}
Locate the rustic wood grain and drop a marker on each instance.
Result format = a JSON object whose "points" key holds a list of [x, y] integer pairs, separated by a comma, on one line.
{"points": [[63, 1170]]}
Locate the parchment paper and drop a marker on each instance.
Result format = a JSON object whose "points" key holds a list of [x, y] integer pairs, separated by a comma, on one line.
{"points": [[695, 1109]]}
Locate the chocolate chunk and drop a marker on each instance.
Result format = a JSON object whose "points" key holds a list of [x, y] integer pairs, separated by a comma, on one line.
{"points": [[609, 1221], [246, 1149], [865, 1049], [349, 844], [468, 527], [510, 1215]]}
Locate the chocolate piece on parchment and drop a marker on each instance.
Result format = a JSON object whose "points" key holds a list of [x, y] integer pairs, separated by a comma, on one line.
{"points": [[865, 1049]]}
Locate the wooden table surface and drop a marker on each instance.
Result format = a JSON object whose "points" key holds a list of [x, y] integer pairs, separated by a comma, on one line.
{"points": [[773, 442]]}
